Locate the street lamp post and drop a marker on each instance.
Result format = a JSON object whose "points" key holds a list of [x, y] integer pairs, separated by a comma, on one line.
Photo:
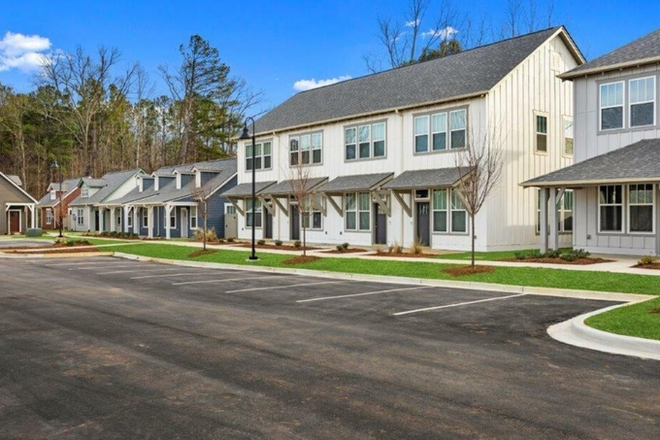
{"points": [[245, 136], [61, 219]]}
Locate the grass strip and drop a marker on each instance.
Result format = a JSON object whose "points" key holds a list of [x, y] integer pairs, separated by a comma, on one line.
{"points": [[641, 320]]}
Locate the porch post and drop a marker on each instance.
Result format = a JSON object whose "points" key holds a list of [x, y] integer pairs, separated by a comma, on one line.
{"points": [[137, 223], [543, 226], [168, 212], [88, 209], [33, 217], [553, 220], [113, 226], [125, 209], [150, 221]]}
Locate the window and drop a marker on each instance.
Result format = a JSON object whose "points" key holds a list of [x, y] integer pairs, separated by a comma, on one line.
{"points": [[365, 141], [230, 209], [49, 216], [566, 212], [568, 136], [81, 217], [263, 156], [358, 211], [431, 131], [306, 149], [172, 221], [640, 209], [541, 133], [642, 101], [257, 213], [611, 106], [84, 192], [610, 207], [458, 214], [145, 218], [119, 220], [193, 217], [313, 216], [129, 219], [449, 213], [440, 209], [53, 195]]}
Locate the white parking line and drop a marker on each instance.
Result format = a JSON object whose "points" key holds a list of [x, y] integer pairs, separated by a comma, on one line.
{"points": [[217, 280], [83, 263], [135, 270], [97, 268], [376, 292], [251, 289], [407, 312], [169, 275]]}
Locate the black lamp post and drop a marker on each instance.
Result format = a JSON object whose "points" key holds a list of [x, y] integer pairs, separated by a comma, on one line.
{"points": [[245, 136], [56, 166]]}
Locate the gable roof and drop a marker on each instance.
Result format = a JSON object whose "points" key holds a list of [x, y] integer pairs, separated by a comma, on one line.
{"points": [[14, 184], [112, 181], [68, 186], [638, 162], [644, 50], [360, 182], [458, 76], [422, 179]]}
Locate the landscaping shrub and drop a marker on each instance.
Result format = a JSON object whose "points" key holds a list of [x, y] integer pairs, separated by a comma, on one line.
{"points": [[535, 253], [297, 244], [261, 242], [210, 235], [340, 247], [278, 242], [647, 260], [345, 246], [521, 255], [395, 248], [230, 240], [552, 253], [416, 247]]}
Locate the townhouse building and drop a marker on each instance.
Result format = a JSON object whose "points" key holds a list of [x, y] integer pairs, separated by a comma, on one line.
{"points": [[17, 207], [617, 154], [49, 209], [380, 151]]}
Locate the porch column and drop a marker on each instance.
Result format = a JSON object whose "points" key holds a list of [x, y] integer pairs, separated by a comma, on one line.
{"points": [[168, 211], [150, 221], [113, 226], [543, 226], [88, 210], [33, 217], [553, 220], [101, 220], [125, 215], [137, 224]]}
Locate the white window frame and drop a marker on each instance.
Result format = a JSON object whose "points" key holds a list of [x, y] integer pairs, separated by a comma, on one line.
{"points": [[653, 101], [257, 213], [437, 210], [448, 130], [569, 125], [630, 204], [49, 216], [261, 157], [623, 210], [622, 105], [80, 221], [145, 218], [450, 141], [537, 133], [230, 209], [84, 192], [563, 213], [310, 147], [53, 194], [311, 210], [454, 197], [358, 211], [193, 215], [371, 141], [129, 218], [172, 217]]}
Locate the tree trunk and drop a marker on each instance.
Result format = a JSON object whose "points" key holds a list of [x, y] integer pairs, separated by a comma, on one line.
{"points": [[302, 222], [474, 237]]}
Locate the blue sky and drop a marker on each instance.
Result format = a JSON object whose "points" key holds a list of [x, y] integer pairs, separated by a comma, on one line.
{"points": [[273, 44]]}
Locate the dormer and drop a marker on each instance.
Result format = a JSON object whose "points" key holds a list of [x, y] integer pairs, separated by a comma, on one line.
{"points": [[156, 182], [147, 183]]}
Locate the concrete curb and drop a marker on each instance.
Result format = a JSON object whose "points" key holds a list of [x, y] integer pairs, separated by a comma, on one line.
{"points": [[576, 332], [54, 255], [465, 285]]}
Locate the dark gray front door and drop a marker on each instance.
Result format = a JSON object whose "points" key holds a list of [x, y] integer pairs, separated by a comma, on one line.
{"points": [[380, 226], [295, 222], [423, 223], [268, 226]]}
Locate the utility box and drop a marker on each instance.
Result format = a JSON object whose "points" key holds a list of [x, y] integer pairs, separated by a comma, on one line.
{"points": [[34, 232]]}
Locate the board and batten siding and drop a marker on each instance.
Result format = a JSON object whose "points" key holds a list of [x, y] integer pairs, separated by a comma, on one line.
{"points": [[512, 105]]}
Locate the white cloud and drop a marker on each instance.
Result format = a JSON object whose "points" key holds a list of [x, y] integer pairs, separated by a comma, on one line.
{"points": [[443, 33], [23, 52], [413, 23], [308, 84]]}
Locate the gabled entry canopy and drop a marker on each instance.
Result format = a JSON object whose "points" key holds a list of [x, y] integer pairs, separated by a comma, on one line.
{"points": [[285, 188], [362, 182], [427, 179], [244, 190]]}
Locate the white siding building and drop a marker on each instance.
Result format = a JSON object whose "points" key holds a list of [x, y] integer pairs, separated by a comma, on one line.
{"points": [[382, 149], [617, 152]]}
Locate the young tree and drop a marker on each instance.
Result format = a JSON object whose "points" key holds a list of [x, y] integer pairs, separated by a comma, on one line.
{"points": [[201, 197], [480, 168], [301, 189]]}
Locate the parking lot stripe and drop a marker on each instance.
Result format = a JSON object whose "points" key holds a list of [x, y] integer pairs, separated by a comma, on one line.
{"points": [[407, 312], [97, 268], [216, 280], [169, 275], [135, 270], [82, 263], [251, 289], [376, 292]]}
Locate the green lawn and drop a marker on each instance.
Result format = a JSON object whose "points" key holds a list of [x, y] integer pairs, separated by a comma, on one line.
{"points": [[634, 320], [518, 276], [487, 256]]}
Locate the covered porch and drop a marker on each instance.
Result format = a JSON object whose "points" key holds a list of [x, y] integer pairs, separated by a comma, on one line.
{"points": [[19, 216]]}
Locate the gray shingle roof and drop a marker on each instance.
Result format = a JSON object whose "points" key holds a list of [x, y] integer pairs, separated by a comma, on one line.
{"points": [[638, 162], [133, 196], [644, 48], [245, 189], [112, 182], [284, 188], [362, 182], [94, 183], [467, 73], [68, 185], [422, 179]]}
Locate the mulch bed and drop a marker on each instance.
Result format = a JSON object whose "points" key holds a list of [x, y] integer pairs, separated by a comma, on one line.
{"points": [[655, 311], [62, 250], [201, 252], [301, 260], [652, 266], [461, 271], [578, 262], [284, 247], [345, 251], [403, 254]]}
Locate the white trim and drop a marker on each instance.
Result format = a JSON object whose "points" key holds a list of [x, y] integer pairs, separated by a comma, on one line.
{"points": [[623, 106], [630, 205], [622, 205], [20, 220], [653, 101]]}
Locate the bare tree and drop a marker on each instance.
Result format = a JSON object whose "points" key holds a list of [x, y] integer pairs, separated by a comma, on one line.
{"points": [[300, 182], [480, 169], [200, 196]]}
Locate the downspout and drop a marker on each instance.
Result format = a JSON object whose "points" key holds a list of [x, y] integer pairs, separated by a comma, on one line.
{"points": [[403, 213]]}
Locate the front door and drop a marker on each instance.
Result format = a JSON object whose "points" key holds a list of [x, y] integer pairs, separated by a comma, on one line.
{"points": [[14, 222], [423, 223], [96, 220], [380, 225], [231, 221], [295, 222], [268, 225], [184, 223]]}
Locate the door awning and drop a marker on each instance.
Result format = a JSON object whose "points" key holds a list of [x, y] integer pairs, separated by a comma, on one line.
{"points": [[362, 182], [244, 190], [423, 179]]}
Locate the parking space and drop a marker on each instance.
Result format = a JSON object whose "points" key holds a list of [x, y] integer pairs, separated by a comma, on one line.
{"points": [[104, 348]]}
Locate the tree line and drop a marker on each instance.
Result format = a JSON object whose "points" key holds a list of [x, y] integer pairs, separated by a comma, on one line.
{"points": [[94, 114]]}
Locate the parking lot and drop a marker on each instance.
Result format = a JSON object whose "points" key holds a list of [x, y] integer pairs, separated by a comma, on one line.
{"points": [[102, 348]]}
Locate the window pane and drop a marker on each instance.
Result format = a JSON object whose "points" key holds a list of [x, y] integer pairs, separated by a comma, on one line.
{"points": [[378, 132], [379, 148], [267, 147], [421, 143], [541, 124], [642, 114], [349, 136], [457, 140], [316, 156], [541, 142], [440, 221], [457, 120], [421, 125], [305, 142], [257, 150], [456, 202], [350, 220], [642, 90], [305, 221], [364, 133], [440, 199], [611, 118], [641, 218], [610, 218], [248, 164], [350, 152], [304, 156], [257, 163], [350, 202], [567, 224], [365, 150], [364, 221], [267, 161], [248, 150], [364, 201], [316, 221], [294, 158], [568, 136], [294, 144], [611, 95], [440, 141], [459, 221], [316, 140], [439, 123]]}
